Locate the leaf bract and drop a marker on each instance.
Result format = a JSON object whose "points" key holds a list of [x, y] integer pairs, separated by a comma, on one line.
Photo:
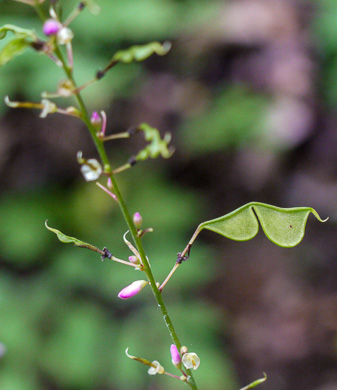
{"points": [[68, 240], [157, 146], [18, 31], [141, 52], [23, 38]]}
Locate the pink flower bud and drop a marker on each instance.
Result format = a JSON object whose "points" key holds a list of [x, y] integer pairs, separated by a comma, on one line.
{"points": [[176, 359], [95, 119], [134, 260], [133, 289], [137, 220], [51, 27]]}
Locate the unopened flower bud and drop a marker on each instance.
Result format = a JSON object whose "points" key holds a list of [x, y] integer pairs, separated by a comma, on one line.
{"points": [[109, 183], [96, 120], [133, 289], [176, 359], [191, 360], [134, 260], [156, 370], [64, 36], [183, 350], [137, 220], [51, 27]]}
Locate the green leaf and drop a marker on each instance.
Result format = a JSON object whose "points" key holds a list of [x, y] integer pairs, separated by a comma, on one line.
{"points": [[140, 53], [283, 226], [12, 49], [67, 239], [157, 146], [18, 31], [255, 383]]}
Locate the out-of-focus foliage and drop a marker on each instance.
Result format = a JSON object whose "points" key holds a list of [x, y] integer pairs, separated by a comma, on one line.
{"points": [[241, 92]]}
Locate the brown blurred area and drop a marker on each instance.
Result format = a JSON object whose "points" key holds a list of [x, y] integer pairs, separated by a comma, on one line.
{"points": [[280, 304]]}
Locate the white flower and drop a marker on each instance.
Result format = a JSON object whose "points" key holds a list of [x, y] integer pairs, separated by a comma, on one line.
{"points": [[91, 169], [48, 108], [191, 360], [64, 36], [156, 370]]}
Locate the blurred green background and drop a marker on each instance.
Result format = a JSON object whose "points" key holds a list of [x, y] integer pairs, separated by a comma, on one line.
{"points": [[248, 92]]}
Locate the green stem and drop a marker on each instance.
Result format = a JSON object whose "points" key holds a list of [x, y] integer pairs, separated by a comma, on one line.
{"points": [[107, 169]]}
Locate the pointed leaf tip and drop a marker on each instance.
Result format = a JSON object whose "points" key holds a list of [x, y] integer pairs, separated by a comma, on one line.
{"points": [[67, 239], [255, 383], [283, 226]]}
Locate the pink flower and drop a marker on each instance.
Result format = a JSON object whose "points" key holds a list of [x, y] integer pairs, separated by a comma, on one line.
{"points": [[133, 289]]}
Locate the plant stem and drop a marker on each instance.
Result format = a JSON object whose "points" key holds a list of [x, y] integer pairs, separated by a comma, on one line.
{"points": [[107, 169]]}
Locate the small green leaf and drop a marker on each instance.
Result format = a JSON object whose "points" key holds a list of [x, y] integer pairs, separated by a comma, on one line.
{"points": [[283, 226], [67, 239], [255, 383], [18, 31], [157, 146], [12, 49], [140, 53]]}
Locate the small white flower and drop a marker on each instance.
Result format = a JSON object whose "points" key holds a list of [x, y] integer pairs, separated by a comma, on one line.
{"points": [[48, 108], [191, 360], [64, 36], [91, 169], [156, 370]]}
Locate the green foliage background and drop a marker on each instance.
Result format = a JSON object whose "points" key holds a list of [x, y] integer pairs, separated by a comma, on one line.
{"points": [[60, 318]]}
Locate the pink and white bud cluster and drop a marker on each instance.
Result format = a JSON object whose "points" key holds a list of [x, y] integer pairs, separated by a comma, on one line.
{"points": [[53, 27], [133, 289]]}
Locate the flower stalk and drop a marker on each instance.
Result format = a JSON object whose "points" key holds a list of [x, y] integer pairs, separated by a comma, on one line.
{"points": [[99, 144]]}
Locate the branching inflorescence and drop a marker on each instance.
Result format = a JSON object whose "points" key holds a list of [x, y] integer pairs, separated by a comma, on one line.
{"points": [[285, 227]]}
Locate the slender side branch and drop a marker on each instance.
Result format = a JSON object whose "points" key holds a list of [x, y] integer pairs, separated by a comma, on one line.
{"points": [[190, 243], [183, 256], [168, 277]]}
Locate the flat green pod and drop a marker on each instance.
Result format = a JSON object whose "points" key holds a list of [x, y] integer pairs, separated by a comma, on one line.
{"points": [[283, 226]]}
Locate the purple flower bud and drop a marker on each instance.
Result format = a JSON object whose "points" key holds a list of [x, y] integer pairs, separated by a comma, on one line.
{"points": [[133, 289], [95, 119], [51, 27], [176, 359], [137, 220], [109, 183]]}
